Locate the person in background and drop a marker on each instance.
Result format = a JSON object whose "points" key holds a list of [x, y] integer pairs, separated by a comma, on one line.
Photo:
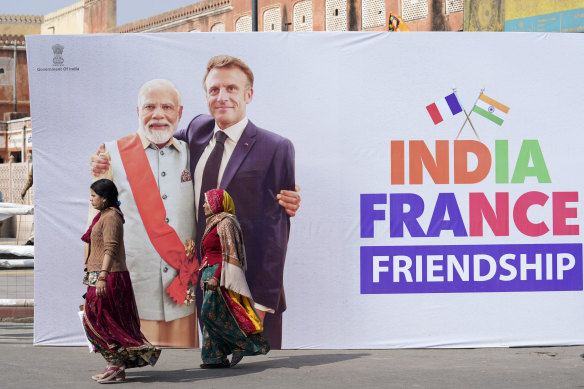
{"points": [[110, 317], [28, 185]]}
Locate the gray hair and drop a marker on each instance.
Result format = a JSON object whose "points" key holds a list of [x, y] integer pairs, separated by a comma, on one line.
{"points": [[156, 84]]}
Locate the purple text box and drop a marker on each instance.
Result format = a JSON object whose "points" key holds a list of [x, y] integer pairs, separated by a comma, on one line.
{"points": [[470, 269]]}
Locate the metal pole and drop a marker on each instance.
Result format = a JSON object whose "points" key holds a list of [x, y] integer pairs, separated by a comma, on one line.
{"points": [[254, 15], [23, 150], [14, 76], [10, 183]]}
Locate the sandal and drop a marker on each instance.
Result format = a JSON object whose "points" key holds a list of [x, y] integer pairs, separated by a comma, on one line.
{"points": [[98, 377], [120, 378], [115, 375], [235, 359]]}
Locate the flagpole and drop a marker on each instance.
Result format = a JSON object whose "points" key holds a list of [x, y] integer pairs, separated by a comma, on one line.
{"points": [[467, 115], [464, 110], [468, 118]]}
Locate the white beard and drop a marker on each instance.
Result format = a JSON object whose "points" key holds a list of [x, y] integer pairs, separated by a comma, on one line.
{"points": [[158, 137]]}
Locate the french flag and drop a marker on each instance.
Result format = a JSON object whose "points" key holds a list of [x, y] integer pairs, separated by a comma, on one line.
{"points": [[444, 108]]}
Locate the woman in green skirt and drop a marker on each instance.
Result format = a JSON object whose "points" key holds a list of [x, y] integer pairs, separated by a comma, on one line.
{"points": [[231, 325]]}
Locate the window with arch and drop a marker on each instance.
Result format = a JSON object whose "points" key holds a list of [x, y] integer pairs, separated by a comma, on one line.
{"points": [[336, 15], [272, 19], [303, 15], [372, 13], [414, 9], [218, 27], [454, 6], [243, 24]]}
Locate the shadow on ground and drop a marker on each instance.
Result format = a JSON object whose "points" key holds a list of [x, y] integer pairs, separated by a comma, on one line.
{"points": [[275, 362]]}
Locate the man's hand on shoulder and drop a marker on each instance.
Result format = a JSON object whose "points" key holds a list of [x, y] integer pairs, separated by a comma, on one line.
{"points": [[99, 164], [290, 200]]}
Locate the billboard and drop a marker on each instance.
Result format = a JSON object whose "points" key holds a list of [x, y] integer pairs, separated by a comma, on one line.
{"points": [[438, 172]]}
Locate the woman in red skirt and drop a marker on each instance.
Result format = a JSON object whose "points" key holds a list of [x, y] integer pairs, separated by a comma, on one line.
{"points": [[111, 319]]}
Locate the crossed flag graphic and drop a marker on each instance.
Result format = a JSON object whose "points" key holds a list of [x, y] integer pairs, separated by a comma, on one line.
{"points": [[485, 106]]}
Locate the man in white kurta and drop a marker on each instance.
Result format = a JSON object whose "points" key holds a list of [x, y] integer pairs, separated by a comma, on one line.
{"points": [[163, 321]]}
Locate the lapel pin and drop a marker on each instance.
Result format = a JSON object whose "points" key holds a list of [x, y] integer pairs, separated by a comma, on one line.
{"points": [[246, 144]]}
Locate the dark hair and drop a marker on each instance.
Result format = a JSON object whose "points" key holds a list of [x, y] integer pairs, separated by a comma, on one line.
{"points": [[106, 189]]}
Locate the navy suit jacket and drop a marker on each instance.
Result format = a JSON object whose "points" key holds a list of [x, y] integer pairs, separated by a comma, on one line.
{"points": [[261, 165]]}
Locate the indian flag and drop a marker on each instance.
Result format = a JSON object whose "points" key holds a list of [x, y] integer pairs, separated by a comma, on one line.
{"points": [[491, 109]]}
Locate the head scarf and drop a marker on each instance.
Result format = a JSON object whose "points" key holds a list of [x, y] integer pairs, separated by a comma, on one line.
{"points": [[220, 201], [228, 228]]}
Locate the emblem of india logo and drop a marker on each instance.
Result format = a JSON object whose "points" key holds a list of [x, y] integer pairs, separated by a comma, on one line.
{"points": [[58, 58]]}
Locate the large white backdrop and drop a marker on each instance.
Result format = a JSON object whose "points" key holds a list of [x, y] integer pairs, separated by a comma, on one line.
{"points": [[342, 98]]}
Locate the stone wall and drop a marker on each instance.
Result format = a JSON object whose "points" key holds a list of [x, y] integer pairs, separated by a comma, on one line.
{"points": [[20, 24], [82, 17], [100, 16], [7, 76], [11, 139], [291, 15], [67, 20]]}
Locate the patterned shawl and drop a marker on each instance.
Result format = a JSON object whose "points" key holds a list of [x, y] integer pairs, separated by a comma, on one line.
{"points": [[228, 228], [233, 284]]}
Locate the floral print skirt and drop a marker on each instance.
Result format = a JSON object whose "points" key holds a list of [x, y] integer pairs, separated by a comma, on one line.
{"points": [[221, 334]]}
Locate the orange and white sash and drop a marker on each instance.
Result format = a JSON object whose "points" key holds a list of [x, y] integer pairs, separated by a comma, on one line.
{"points": [[152, 212]]}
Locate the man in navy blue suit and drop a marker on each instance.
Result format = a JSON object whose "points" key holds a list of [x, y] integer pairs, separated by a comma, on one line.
{"points": [[257, 170]]}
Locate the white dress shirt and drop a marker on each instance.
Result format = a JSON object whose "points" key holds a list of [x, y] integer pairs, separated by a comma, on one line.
{"points": [[233, 134]]}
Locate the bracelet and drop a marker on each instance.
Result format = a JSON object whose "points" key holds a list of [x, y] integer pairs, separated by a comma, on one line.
{"points": [[102, 279], [104, 271]]}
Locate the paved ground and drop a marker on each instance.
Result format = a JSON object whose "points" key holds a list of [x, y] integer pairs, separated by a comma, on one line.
{"points": [[24, 366]]}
